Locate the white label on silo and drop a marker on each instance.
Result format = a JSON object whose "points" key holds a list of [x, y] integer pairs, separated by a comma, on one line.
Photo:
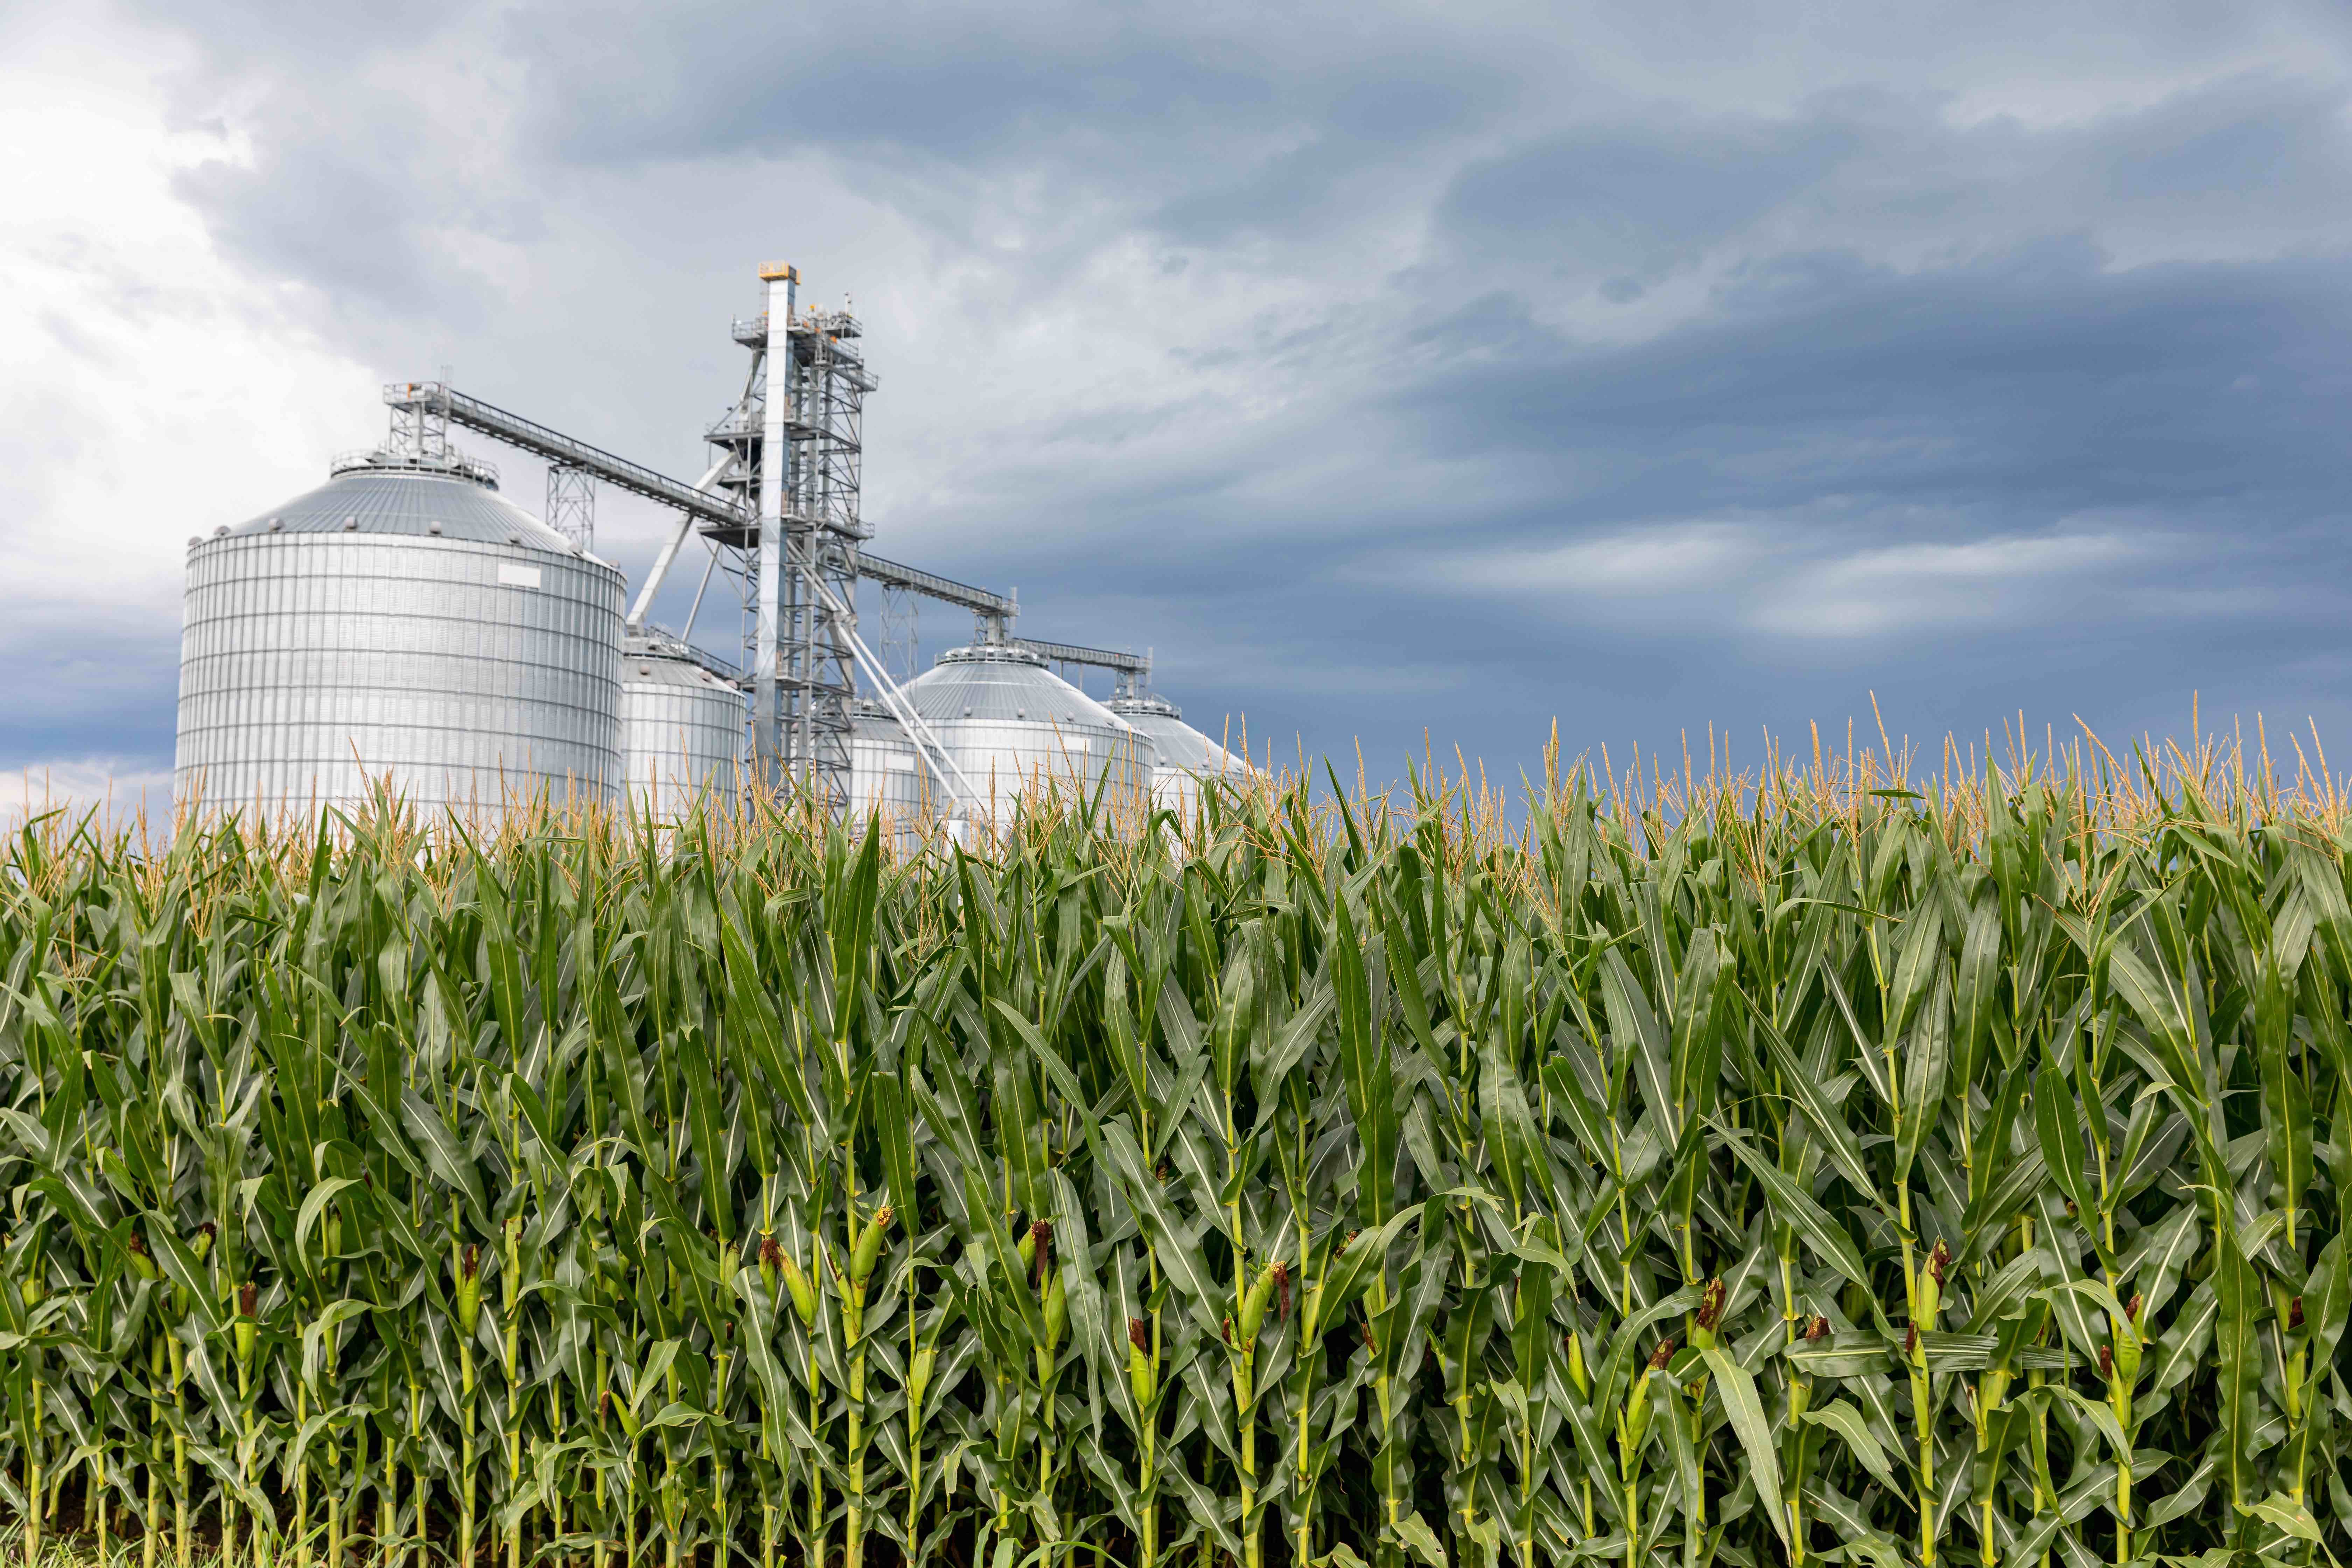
{"points": [[902, 764], [519, 577]]}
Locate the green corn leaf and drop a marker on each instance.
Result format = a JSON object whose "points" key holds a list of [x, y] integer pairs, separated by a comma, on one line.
{"points": [[1353, 1270], [894, 1132], [2286, 1514], [1175, 1247], [1640, 1039], [1509, 1126], [2327, 1301], [2055, 1121], [1975, 996], [1420, 1540], [444, 1155], [2239, 1356], [1825, 1120], [1926, 1063], [1364, 1064], [2186, 1497], [1846, 1421], [1746, 1411], [1794, 1208]]}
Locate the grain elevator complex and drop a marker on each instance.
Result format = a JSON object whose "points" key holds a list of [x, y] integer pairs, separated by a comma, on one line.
{"points": [[407, 622]]}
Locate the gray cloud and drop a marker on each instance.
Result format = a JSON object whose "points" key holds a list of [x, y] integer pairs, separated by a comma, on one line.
{"points": [[1388, 370], [1639, 200]]}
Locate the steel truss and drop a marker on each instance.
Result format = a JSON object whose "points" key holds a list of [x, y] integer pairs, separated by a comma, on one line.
{"points": [[788, 538], [571, 504]]}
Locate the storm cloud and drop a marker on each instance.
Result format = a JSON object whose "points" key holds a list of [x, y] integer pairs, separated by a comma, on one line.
{"points": [[1395, 373]]}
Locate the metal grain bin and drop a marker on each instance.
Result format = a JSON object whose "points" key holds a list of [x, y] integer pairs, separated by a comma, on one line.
{"points": [[1185, 756], [886, 773], [401, 621], [681, 728], [1014, 726]]}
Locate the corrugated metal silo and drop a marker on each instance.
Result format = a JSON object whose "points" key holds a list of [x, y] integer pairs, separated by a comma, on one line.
{"points": [[1013, 725], [1186, 756], [681, 728], [885, 771], [405, 620]]}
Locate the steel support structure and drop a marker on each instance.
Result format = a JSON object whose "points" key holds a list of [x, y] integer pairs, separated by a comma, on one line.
{"points": [[431, 407], [771, 585], [571, 504], [1130, 672], [420, 429], [902, 632], [786, 535], [811, 490], [992, 612]]}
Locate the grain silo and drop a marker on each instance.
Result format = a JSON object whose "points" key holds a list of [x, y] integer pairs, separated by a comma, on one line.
{"points": [[404, 622], [681, 727], [1012, 726], [885, 771], [1184, 756]]}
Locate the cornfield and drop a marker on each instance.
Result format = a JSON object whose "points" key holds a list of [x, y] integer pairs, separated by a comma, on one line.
{"points": [[1825, 1165]]}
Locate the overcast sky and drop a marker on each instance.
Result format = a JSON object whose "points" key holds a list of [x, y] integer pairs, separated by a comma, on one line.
{"points": [[1388, 370]]}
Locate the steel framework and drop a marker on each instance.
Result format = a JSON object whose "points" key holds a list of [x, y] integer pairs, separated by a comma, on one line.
{"points": [[571, 504], [902, 632], [796, 522], [1131, 672], [787, 536]]}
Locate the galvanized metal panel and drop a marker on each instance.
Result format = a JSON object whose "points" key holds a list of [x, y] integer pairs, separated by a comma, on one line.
{"points": [[339, 639], [681, 732], [886, 773], [408, 503], [1185, 756], [1015, 727]]}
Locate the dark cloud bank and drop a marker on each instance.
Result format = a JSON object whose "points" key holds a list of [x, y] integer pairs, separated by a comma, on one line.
{"points": [[1642, 372]]}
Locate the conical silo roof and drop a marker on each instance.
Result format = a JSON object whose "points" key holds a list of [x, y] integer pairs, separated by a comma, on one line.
{"points": [[377, 496], [1008, 722], [1186, 756], [1180, 745], [995, 681]]}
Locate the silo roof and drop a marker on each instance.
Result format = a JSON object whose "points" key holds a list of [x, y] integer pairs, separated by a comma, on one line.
{"points": [[995, 681], [660, 659], [662, 669], [1179, 744], [408, 502]]}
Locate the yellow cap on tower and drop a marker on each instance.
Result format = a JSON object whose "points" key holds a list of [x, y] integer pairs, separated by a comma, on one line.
{"points": [[779, 271]]}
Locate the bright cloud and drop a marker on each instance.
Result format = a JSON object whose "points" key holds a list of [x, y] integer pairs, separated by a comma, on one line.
{"points": [[1440, 371]]}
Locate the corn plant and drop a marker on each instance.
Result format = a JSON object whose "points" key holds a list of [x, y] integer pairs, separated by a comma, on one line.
{"points": [[1833, 1163]]}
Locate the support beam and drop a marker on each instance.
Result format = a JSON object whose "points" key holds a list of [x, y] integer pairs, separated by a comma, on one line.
{"points": [[571, 505], [1133, 669], [775, 487], [997, 608], [798, 475], [669, 556], [428, 402]]}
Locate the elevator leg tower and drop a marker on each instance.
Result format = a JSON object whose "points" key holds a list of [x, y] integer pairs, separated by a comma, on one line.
{"points": [[812, 383]]}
